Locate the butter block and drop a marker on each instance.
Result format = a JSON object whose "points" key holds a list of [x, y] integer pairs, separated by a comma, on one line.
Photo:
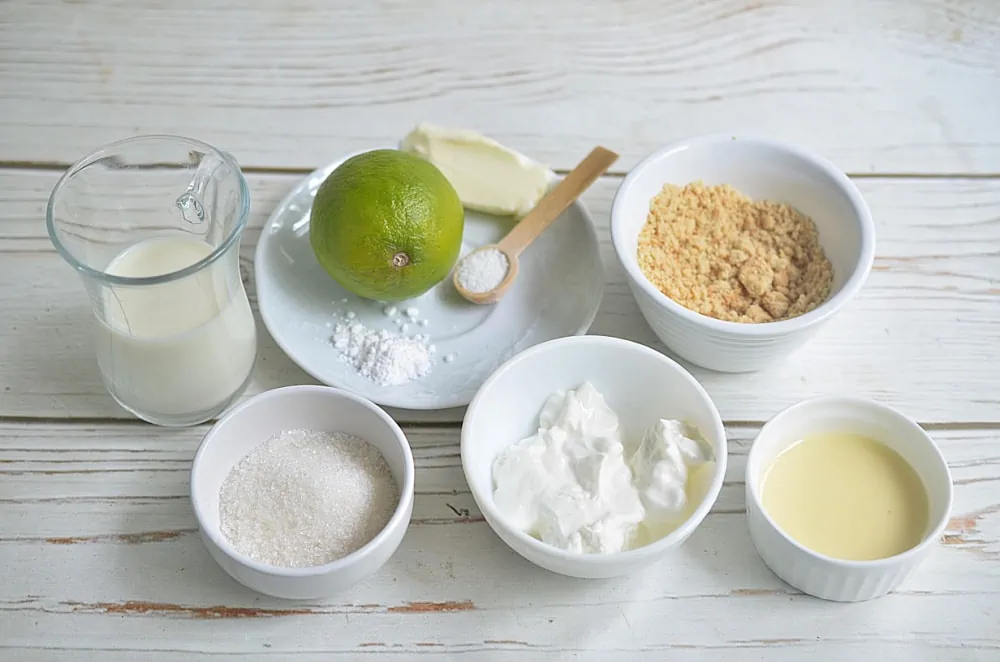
{"points": [[487, 176]]}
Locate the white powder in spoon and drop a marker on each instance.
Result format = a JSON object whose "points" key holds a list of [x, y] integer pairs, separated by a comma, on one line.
{"points": [[481, 271], [305, 498]]}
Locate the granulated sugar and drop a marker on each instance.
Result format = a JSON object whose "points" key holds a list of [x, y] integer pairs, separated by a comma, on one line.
{"points": [[305, 498], [482, 271], [386, 358]]}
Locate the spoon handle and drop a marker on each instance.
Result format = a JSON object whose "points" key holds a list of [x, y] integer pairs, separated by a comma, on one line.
{"points": [[557, 200]]}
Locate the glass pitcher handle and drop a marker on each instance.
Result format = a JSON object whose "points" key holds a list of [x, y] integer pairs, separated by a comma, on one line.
{"points": [[190, 202]]}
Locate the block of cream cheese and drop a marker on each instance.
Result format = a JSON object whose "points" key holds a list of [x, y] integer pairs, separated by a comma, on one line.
{"points": [[488, 177]]}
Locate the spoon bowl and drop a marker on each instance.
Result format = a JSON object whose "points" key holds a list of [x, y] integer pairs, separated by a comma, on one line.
{"points": [[536, 221], [495, 294]]}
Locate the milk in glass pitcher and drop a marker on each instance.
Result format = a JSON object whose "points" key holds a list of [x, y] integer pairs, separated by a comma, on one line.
{"points": [[152, 224]]}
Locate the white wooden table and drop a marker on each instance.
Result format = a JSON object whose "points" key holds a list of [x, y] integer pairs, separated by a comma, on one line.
{"points": [[99, 559]]}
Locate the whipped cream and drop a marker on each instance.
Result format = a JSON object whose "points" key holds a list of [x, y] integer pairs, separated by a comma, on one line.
{"points": [[660, 469], [487, 176], [571, 486]]}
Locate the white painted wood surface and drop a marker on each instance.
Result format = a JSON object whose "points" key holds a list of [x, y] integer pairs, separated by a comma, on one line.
{"points": [[891, 86], [102, 561], [98, 555], [936, 279]]}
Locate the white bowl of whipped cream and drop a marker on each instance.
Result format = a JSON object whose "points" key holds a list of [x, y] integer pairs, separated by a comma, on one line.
{"points": [[592, 456]]}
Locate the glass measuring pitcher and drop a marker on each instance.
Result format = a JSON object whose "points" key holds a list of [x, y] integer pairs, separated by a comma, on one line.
{"points": [[152, 224]]}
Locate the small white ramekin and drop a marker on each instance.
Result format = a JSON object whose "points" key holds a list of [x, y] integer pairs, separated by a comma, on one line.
{"points": [[817, 574], [258, 419], [762, 169]]}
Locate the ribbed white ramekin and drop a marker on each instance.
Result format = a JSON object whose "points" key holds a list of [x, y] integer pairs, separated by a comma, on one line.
{"points": [[818, 574], [762, 169]]}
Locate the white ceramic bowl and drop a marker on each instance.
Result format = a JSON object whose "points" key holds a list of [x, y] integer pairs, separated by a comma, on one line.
{"points": [[257, 420], [818, 574], [640, 384], [762, 169]]}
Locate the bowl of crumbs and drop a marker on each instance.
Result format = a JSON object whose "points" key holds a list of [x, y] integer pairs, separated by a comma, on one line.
{"points": [[593, 456], [738, 249], [303, 491]]}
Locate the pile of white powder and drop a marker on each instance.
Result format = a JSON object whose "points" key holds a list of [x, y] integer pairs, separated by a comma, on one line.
{"points": [[306, 498], [384, 357], [481, 271]]}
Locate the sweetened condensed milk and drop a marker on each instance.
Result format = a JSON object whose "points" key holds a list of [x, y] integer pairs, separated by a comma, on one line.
{"points": [[846, 496]]}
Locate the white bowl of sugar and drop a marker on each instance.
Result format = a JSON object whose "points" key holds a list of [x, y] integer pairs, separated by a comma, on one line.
{"points": [[303, 491]]}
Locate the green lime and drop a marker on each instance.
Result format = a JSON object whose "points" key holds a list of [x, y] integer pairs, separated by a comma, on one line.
{"points": [[386, 225]]}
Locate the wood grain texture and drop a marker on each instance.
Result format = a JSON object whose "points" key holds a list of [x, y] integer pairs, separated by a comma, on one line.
{"points": [[98, 544], [905, 86], [921, 337], [99, 557]]}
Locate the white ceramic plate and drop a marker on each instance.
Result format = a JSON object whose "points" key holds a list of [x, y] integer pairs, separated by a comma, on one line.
{"points": [[556, 294]]}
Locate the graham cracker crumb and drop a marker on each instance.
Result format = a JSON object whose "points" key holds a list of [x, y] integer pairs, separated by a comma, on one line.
{"points": [[717, 252]]}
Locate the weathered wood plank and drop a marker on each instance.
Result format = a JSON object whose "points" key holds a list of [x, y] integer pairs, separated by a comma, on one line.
{"points": [[635, 622], [792, 650], [899, 86], [111, 563], [922, 336]]}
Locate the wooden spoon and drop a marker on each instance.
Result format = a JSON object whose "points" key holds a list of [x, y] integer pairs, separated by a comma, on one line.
{"points": [[537, 220]]}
